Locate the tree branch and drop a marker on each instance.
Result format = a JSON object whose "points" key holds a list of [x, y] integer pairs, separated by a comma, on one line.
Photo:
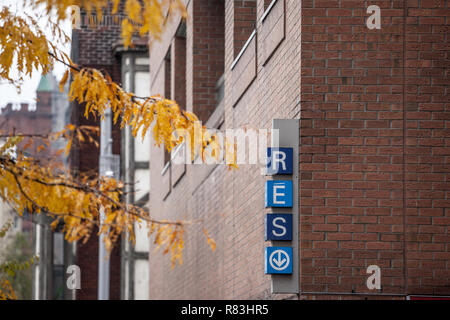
{"points": [[135, 211]]}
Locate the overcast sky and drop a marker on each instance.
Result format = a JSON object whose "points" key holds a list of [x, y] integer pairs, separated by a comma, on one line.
{"points": [[8, 93]]}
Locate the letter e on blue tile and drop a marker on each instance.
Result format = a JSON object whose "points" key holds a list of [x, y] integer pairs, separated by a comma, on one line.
{"points": [[279, 193]]}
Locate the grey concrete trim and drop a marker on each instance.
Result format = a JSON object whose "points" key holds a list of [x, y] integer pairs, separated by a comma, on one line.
{"points": [[141, 165]]}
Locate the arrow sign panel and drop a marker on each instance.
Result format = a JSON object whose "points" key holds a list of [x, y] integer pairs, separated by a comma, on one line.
{"points": [[278, 260]]}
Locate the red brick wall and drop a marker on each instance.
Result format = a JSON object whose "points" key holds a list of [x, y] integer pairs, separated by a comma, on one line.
{"points": [[38, 122], [427, 146], [87, 260], [373, 157], [244, 22], [207, 55], [374, 141]]}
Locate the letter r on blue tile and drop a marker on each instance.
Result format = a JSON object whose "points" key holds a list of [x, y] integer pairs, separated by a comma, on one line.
{"points": [[279, 161]]}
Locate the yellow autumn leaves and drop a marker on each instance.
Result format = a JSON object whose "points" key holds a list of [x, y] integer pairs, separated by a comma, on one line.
{"points": [[75, 201], [6, 290], [21, 40], [171, 125]]}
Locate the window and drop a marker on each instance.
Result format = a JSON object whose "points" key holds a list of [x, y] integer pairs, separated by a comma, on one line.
{"points": [[135, 162], [178, 66], [135, 152], [178, 92], [58, 266], [167, 91], [220, 89], [208, 56], [244, 23], [167, 75], [245, 48]]}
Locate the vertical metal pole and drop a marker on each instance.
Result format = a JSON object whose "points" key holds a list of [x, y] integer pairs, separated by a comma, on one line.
{"points": [[105, 170], [37, 268], [103, 267]]}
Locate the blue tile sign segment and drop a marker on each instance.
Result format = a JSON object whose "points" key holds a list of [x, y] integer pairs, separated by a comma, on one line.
{"points": [[279, 161], [278, 260], [279, 193], [278, 227]]}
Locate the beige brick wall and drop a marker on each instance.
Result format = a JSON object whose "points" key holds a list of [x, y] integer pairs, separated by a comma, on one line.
{"points": [[373, 158], [231, 204]]}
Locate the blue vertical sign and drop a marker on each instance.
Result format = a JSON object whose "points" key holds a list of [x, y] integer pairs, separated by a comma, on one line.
{"points": [[281, 260], [279, 193]]}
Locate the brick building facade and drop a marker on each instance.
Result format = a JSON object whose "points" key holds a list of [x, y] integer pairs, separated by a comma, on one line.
{"points": [[92, 46], [374, 145], [47, 115], [98, 45]]}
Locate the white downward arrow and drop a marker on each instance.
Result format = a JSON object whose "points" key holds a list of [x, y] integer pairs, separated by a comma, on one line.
{"points": [[279, 261]]}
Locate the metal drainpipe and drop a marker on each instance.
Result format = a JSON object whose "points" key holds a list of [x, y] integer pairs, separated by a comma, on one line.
{"points": [[106, 169]]}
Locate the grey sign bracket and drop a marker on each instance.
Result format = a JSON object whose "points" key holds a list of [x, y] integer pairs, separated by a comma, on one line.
{"points": [[288, 135]]}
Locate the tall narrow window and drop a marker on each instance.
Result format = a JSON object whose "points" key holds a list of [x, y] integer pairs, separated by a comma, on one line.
{"points": [[167, 91], [178, 92], [208, 56], [167, 75], [244, 23], [244, 35], [178, 68]]}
